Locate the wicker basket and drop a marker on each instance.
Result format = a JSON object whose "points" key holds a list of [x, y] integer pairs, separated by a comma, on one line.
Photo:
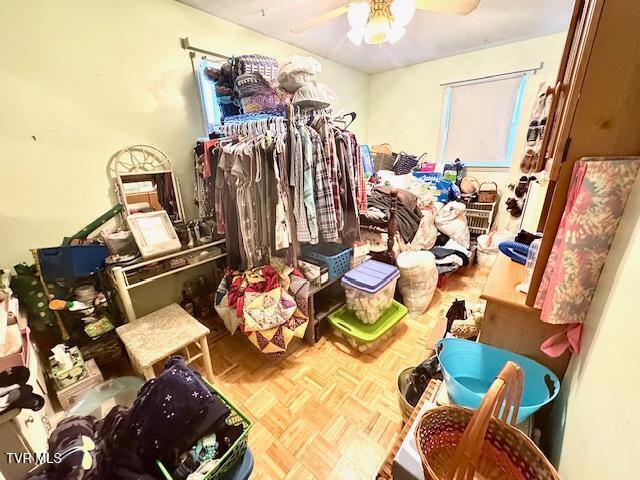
{"points": [[458, 443], [487, 195]]}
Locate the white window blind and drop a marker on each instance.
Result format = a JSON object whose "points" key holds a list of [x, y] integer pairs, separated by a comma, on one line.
{"points": [[479, 120]]}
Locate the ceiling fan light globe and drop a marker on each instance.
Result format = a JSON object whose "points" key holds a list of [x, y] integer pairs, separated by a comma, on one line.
{"points": [[403, 11], [356, 36], [358, 14], [377, 30]]}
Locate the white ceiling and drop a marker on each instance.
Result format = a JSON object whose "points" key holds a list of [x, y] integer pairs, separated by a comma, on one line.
{"points": [[429, 36]]}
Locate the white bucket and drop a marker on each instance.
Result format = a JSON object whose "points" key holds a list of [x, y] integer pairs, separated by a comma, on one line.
{"points": [[487, 251]]}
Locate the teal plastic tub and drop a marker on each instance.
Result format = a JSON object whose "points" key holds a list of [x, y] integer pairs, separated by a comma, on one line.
{"points": [[469, 368]]}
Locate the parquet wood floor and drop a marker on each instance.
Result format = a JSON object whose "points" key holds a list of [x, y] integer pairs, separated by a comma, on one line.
{"points": [[325, 412]]}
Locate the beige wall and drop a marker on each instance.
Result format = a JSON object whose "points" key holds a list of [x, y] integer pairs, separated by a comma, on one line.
{"points": [[405, 105], [597, 409], [87, 78]]}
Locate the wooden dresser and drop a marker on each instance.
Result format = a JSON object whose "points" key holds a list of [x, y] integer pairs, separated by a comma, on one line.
{"points": [[511, 324]]}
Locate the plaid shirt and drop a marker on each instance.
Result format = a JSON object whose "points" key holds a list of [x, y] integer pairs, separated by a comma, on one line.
{"points": [[331, 157], [325, 209]]}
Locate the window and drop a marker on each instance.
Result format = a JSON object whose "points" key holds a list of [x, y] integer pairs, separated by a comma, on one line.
{"points": [[207, 89], [479, 120]]}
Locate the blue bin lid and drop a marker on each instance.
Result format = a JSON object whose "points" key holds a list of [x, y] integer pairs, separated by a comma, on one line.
{"points": [[370, 276]]}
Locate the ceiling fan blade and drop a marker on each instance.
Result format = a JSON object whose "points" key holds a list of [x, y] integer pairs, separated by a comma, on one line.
{"points": [[316, 22], [460, 7]]}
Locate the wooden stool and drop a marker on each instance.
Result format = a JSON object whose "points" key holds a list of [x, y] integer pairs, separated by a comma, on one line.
{"points": [[156, 336]]}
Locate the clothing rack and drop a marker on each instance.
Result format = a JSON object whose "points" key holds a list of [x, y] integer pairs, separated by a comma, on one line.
{"points": [[184, 43], [255, 125], [303, 116], [258, 131]]}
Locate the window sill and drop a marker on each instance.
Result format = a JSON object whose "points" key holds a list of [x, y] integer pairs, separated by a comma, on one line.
{"points": [[479, 168]]}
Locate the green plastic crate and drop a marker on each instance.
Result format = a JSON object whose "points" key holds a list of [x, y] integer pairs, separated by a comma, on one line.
{"points": [[362, 336], [235, 454]]}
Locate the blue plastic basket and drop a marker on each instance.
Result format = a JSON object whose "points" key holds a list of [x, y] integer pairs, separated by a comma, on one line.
{"points": [[71, 261], [469, 368], [334, 255]]}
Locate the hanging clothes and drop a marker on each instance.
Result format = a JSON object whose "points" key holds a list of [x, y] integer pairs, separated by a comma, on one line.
{"points": [[308, 182], [282, 231], [351, 228], [296, 181], [226, 188], [325, 208], [205, 178], [323, 127], [361, 182], [265, 176]]}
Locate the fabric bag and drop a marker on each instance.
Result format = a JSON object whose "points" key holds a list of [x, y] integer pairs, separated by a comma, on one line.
{"points": [[404, 163], [452, 221], [418, 280]]}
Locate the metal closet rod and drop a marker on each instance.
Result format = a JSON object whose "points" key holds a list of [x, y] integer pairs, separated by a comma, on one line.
{"points": [[184, 43]]}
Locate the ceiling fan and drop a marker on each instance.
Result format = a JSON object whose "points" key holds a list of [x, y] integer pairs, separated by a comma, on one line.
{"points": [[380, 21]]}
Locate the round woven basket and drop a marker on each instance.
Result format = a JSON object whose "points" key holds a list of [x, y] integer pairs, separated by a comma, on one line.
{"points": [[458, 443]]}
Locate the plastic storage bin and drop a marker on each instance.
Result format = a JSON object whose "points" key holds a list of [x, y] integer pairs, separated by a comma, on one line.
{"points": [[469, 369], [369, 289], [72, 261], [360, 336], [334, 255]]}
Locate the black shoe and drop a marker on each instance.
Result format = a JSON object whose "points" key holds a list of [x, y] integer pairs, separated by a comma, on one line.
{"points": [[25, 399], [457, 311], [14, 375]]}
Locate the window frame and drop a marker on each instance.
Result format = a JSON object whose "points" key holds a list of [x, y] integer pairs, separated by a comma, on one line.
{"points": [[206, 91], [513, 128]]}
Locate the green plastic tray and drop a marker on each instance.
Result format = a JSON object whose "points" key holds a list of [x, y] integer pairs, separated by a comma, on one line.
{"points": [[346, 321]]}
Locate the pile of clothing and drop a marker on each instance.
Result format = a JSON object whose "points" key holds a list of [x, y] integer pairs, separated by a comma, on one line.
{"points": [[175, 419], [268, 304], [408, 215], [450, 255], [298, 77]]}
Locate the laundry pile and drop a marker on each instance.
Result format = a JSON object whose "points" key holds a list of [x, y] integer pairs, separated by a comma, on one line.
{"points": [[408, 215], [268, 304], [450, 255], [175, 419]]}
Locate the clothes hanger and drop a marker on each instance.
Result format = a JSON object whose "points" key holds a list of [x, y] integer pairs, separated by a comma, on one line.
{"points": [[342, 118]]}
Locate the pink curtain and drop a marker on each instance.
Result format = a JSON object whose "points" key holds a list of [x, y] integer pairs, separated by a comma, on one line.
{"points": [[597, 196]]}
